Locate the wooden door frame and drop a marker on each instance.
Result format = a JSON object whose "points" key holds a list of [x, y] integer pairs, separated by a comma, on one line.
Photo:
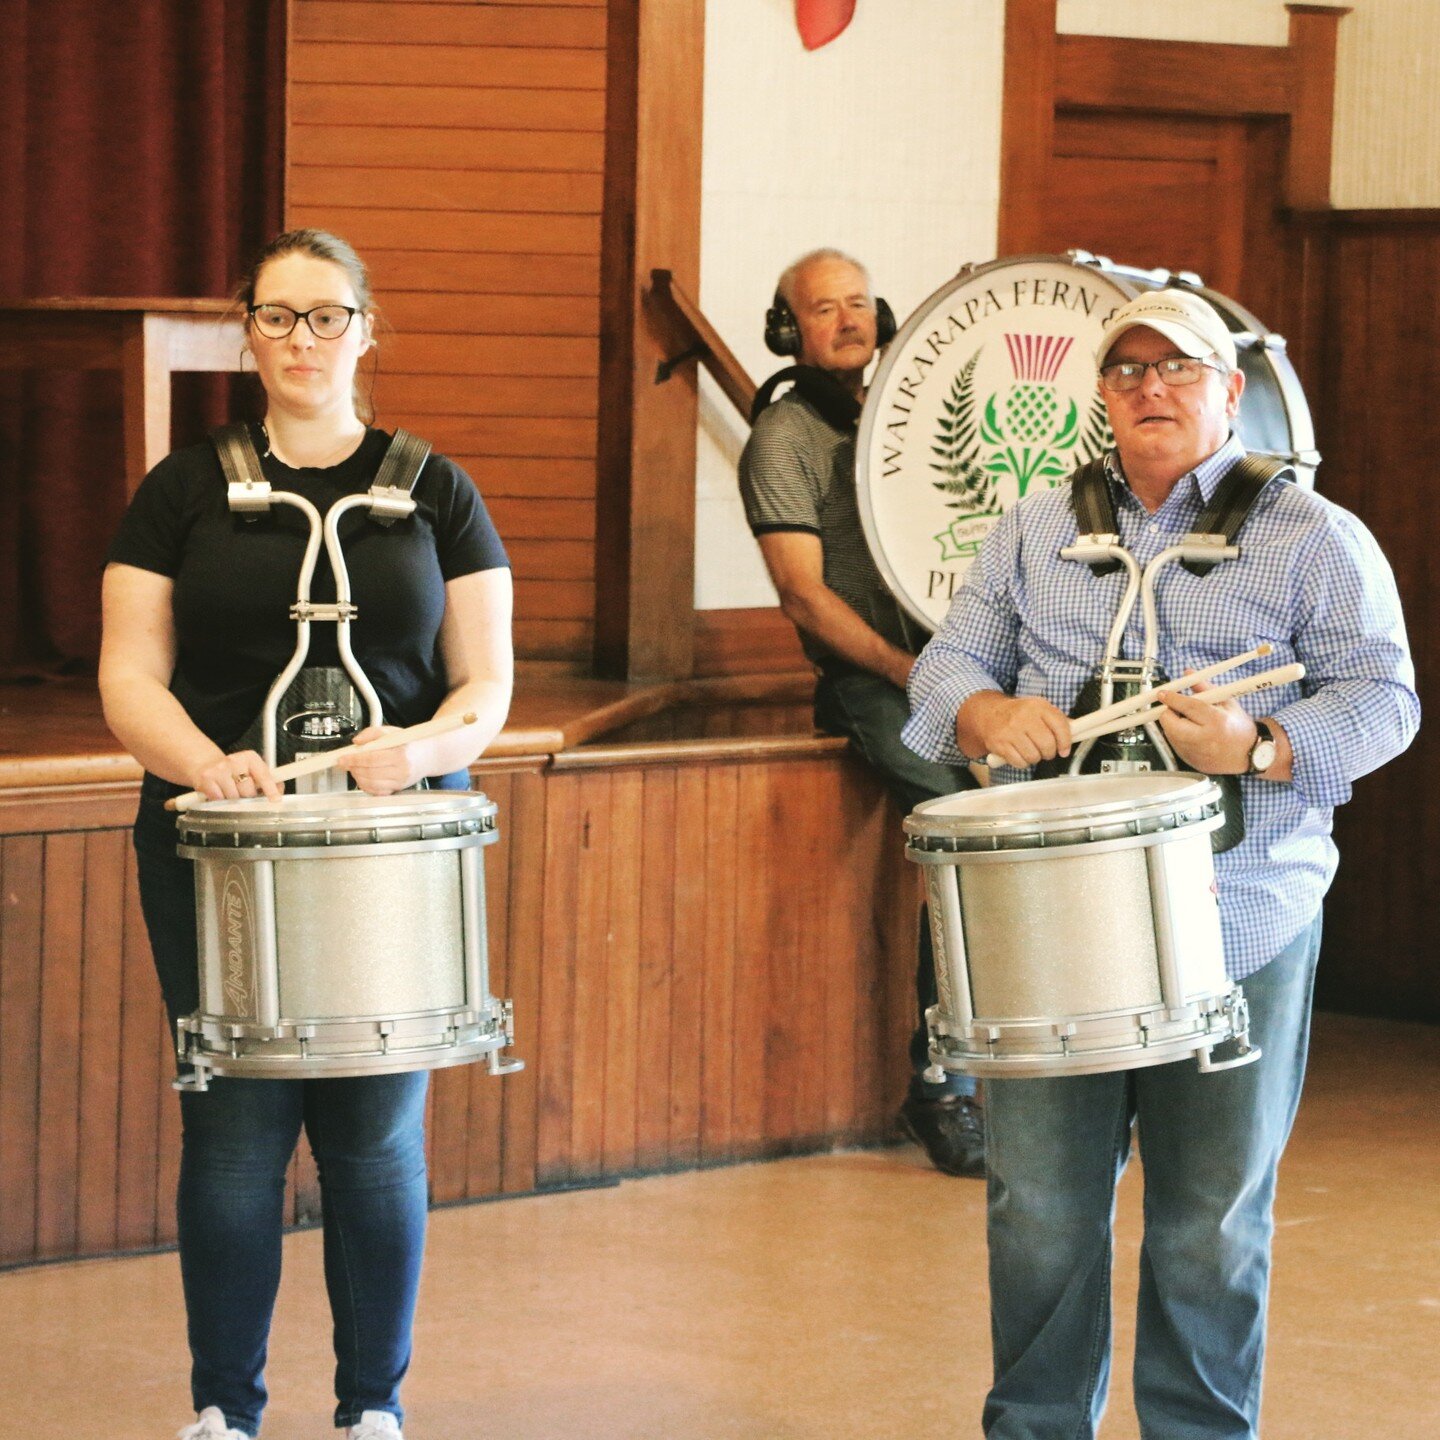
{"points": [[1045, 71], [646, 442]]}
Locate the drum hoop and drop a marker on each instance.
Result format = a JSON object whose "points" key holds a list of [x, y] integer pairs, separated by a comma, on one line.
{"points": [[1194, 801], [377, 846], [256, 824], [994, 850]]}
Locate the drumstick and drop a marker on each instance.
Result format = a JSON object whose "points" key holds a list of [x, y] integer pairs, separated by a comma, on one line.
{"points": [[1280, 675], [1142, 698], [326, 759]]}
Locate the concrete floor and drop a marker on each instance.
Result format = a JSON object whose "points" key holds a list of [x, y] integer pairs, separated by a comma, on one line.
{"points": [[812, 1299]]}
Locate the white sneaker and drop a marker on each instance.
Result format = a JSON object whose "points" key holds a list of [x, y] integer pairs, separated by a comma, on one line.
{"points": [[210, 1425], [375, 1425]]}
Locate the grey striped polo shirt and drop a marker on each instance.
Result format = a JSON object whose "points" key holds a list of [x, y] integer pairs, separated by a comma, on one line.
{"points": [[797, 472]]}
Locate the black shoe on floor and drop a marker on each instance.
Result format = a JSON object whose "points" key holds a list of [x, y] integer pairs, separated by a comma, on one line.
{"points": [[950, 1131]]}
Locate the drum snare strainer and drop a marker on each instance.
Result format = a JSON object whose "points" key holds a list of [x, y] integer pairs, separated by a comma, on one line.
{"points": [[1076, 926]]}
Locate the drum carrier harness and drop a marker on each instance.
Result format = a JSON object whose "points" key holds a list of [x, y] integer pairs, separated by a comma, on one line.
{"points": [[323, 703], [1098, 546]]}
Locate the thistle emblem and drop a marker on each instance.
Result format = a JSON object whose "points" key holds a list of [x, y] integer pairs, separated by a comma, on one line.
{"points": [[1028, 434]]}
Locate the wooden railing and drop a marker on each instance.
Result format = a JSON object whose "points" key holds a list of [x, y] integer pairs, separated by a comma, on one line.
{"points": [[706, 345]]}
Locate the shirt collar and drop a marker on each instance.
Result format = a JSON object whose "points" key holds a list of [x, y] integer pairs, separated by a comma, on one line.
{"points": [[1207, 475]]}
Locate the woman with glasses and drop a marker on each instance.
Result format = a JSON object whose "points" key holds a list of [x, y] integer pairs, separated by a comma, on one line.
{"points": [[196, 627]]}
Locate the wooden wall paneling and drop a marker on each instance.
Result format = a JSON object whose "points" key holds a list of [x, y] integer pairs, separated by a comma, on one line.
{"points": [[524, 961], [467, 168], [580, 26], [430, 147], [1178, 77], [555, 1051], [752, 641], [22, 869], [804, 1009], [484, 1115], [693, 919], [498, 313], [661, 855], [454, 271], [59, 1038], [757, 924], [493, 66], [1379, 445], [57, 1157], [786, 831], [646, 501], [141, 1083], [1313, 39], [1027, 122], [592, 899], [106, 858], [872, 921], [708, 902], [464, 1142], [848, 934], [622, 972]]}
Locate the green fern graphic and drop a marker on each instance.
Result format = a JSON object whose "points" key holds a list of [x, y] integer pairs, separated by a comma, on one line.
{"points": [[958, 449]]}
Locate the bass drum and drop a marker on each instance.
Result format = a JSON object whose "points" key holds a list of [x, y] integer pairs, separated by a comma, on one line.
{"points": [[988, 392]]}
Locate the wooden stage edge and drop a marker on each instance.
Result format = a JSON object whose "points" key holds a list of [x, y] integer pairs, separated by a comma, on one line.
{"points": [[53, 735]]}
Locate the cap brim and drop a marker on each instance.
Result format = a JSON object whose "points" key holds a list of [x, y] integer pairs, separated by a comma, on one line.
{"points": [[1181, 336]]}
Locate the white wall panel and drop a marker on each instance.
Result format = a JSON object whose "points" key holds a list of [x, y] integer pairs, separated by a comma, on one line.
{"points": [[885, 143]]}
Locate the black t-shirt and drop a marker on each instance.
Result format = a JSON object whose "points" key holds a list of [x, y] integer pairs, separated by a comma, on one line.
{"points": [[236, 579]]}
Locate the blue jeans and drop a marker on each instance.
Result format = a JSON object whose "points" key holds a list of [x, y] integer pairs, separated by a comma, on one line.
{"points": [[368, 1138], [1055, 1149], [870, 712]]}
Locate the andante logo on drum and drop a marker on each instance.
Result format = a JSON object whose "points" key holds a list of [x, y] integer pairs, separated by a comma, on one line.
{"points": [[237, 942]]}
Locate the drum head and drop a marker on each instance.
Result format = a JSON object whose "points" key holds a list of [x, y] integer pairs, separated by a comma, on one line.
{"points": [[988, 394], [337, 818], [1070, 809]]}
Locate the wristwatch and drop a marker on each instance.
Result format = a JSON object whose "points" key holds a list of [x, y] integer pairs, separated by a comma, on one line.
{"points": [[1264, 750]]}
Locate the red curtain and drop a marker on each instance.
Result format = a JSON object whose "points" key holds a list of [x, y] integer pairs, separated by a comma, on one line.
{"points": [[140, 154]]}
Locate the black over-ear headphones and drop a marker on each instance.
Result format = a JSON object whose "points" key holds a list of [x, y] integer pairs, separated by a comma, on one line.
{"points": [[782, 329]]}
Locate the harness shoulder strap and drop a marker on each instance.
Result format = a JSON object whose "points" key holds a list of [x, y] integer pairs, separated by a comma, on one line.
{"points": [[1234, 498], [237, 454], [399, 470], [1094, 509], [403, 461]]}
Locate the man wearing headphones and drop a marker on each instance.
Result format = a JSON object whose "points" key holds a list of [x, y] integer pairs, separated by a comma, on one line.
{"points": [[797, 477]]}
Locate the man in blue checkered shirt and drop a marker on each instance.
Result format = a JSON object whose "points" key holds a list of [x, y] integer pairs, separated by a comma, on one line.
{"points": [[1022, 636]]}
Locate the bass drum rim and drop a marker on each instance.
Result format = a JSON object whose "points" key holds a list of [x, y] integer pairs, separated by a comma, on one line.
{"points": [[1130, 281]]}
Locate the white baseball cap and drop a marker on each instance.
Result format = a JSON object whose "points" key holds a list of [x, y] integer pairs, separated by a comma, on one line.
{"points": [[1187, 320]]}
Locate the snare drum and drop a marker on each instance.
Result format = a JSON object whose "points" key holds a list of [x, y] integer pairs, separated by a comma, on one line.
{"points": [[341, 934], [1076, 926]]}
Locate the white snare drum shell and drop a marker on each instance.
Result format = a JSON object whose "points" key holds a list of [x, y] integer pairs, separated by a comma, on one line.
{"points": [[1079, 927], [342, 934]]}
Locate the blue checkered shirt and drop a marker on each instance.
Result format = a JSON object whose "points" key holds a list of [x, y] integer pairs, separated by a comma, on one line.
{"points": [[1310, 580]]}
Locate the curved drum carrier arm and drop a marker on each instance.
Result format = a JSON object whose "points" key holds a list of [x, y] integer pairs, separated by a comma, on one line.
{"points": [[340, 933]]}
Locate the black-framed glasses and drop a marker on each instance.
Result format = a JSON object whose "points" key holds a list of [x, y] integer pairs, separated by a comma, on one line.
{"points": [[326, 322], [1174, 370]]}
